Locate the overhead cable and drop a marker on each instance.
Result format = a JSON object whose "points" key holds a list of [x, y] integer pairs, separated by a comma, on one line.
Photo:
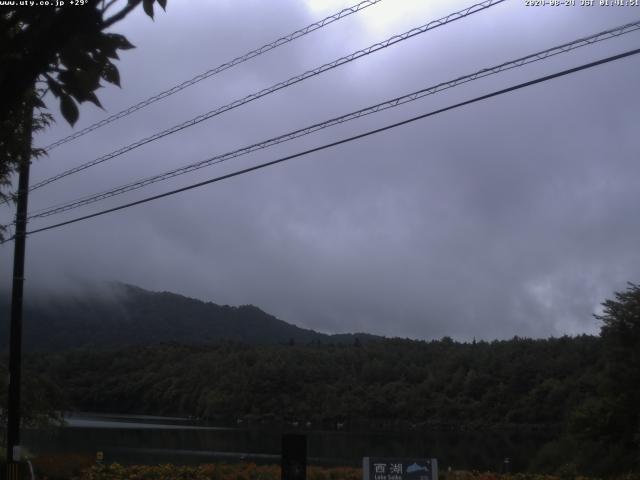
{"points": [[535, 57], [340, 142], [214, 71], [278, 86]]}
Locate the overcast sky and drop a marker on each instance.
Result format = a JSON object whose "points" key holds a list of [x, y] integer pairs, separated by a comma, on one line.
{"points": [[514, 216]]}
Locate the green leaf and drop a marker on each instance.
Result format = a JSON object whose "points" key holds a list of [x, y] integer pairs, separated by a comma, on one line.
{"points": [[107, 46], [163, 4], [110, 74], [73, 57], [66, 77], [69, 109], [120, 41], [100, 59], [94, 99], [54, 87], [80, 83], [147, 5], [90, 78]]}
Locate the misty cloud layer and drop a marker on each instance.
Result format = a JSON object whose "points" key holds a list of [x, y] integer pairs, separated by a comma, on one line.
{"points": [[514, 216]]}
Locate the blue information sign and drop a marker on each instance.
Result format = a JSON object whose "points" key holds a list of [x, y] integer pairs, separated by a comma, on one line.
{"points": [[376, 468]]}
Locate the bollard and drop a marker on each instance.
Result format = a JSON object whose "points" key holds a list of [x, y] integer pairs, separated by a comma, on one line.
{"points": [[294, 457]]}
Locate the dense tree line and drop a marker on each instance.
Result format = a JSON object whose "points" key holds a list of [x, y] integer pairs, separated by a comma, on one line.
{"points": [[387, 383], [556, 385]]}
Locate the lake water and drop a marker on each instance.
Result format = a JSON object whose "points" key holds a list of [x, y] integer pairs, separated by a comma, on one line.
{"points": [[148, 439]]}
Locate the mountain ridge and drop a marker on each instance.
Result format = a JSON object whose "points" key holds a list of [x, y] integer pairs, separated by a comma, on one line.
{"points": [[119, 314]]}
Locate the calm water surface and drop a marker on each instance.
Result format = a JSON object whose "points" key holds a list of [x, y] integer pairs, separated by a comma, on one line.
{"points": [[149, 439]]}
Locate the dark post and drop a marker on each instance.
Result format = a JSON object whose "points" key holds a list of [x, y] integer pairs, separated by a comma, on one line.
{"points": [[15, 339], [294, 457]]}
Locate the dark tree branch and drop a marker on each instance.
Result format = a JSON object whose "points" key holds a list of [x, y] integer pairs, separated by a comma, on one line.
{"points": [[107, 6], [121, 14]]}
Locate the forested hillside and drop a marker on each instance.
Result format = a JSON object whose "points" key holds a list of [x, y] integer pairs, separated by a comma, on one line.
{"points": [[585, 389], [553, 385], [387, 383], [116, 315]]}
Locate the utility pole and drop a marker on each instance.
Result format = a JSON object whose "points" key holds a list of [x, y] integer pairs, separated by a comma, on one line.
{"points": [[15, 339]]}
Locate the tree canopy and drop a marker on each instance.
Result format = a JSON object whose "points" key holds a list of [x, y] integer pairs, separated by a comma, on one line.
{"points": [[66, 51], [621, 386]]}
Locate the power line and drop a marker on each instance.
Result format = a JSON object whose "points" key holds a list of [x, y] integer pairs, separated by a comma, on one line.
{"points": [[214, 71], [345, 140], [278, 86], [535, 57]]}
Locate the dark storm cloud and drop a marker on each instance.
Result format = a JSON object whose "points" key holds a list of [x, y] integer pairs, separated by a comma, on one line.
{"points": [[510, 217]]}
